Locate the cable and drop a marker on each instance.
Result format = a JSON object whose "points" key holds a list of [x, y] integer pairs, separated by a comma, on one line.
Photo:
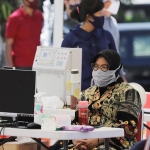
{"points": [[5, 139], [12, 124], [146, 126], [3, 134], [3, 131], [2, 147]]}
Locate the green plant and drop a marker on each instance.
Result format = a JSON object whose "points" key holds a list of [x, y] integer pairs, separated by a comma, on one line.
{"points": [[6, 8]]}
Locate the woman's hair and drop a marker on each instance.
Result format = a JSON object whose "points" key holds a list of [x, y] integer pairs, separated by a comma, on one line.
{"points": [[86, 7]]}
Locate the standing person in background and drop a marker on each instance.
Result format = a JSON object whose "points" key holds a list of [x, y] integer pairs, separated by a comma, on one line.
{"points": [[110, 24], [70, 5], [89, 36], [23, 31], [68, 22]]}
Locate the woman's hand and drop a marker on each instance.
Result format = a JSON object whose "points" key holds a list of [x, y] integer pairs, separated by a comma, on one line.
{"points": [[87, 144], [91, 143], [80, 144]]}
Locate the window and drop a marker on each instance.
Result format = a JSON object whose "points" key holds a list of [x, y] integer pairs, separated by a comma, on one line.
{"points": [[141, 45], [135, 43]]}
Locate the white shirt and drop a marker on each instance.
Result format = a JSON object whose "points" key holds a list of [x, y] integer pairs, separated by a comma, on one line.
{"points": [[110, 24]]}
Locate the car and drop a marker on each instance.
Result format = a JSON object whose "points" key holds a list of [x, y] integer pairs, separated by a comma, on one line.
{"points": [[135, 52]]}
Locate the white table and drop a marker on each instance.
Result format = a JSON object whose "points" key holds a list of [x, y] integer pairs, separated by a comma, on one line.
{"points": [[102, 132]]}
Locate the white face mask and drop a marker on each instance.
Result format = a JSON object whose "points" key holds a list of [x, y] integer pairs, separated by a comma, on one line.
{"points": [[114, 6], [103, 79]]}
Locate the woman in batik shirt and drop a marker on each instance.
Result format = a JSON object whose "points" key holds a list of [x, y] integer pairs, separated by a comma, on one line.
{"points": [[112, 103]]}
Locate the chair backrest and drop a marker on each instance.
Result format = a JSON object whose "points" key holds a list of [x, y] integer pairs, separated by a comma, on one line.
{"points": [[139, 135], [142, 93]]}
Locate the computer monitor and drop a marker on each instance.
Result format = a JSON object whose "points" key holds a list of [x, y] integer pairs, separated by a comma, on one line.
{"points": [[53, 67], [17, 89]]}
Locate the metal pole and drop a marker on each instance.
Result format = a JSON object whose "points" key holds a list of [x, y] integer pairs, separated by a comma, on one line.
{"points": [[58, 23], [106, 144], [65, 144]]}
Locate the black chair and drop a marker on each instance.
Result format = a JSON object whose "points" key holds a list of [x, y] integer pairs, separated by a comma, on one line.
{"points": [[139, 145]]}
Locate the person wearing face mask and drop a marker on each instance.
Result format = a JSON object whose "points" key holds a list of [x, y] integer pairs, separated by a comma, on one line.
{"points": [[89, 36], [70, 5], [112, 103], [111, 7], [23, 31], [68, 22]]}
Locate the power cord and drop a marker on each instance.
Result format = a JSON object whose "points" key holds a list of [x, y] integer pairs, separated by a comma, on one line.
{"points": [[7, 123], [12, 124], [2, 131], [3, 128]]}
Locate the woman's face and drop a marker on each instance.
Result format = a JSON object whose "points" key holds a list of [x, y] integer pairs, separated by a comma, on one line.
{"points": [[99, 13], [101, 64], [74, 2]]}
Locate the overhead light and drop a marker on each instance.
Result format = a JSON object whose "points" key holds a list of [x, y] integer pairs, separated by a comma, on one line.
{"points": [[140, 2]]}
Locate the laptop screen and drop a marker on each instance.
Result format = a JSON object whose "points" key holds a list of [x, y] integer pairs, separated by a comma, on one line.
{"points": [[17, 89]]}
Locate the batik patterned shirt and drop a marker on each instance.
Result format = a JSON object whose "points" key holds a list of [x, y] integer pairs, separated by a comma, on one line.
{"points": [[118, 105]]}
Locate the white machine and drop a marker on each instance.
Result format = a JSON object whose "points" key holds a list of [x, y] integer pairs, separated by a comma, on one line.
{"points": [[52, 66]]}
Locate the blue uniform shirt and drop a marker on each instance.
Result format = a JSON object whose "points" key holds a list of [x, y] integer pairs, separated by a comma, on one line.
{"points": [[91, 43]]}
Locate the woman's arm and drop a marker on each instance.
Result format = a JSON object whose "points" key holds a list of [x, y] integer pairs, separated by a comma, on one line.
{"points": [[128, 113]]}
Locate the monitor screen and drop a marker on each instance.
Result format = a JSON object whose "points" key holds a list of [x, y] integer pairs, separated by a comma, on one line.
{"points": [[17, 89]]}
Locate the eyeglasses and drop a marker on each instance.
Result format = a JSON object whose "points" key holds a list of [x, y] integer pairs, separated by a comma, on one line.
{"points": [[103, 67]]}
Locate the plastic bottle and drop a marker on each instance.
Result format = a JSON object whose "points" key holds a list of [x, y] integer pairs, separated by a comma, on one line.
{"points": [[83, 112], [68, 89], [75, 88], [38, 107]]}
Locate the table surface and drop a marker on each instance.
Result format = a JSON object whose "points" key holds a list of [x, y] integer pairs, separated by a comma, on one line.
{"points": [[103, 132]]}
